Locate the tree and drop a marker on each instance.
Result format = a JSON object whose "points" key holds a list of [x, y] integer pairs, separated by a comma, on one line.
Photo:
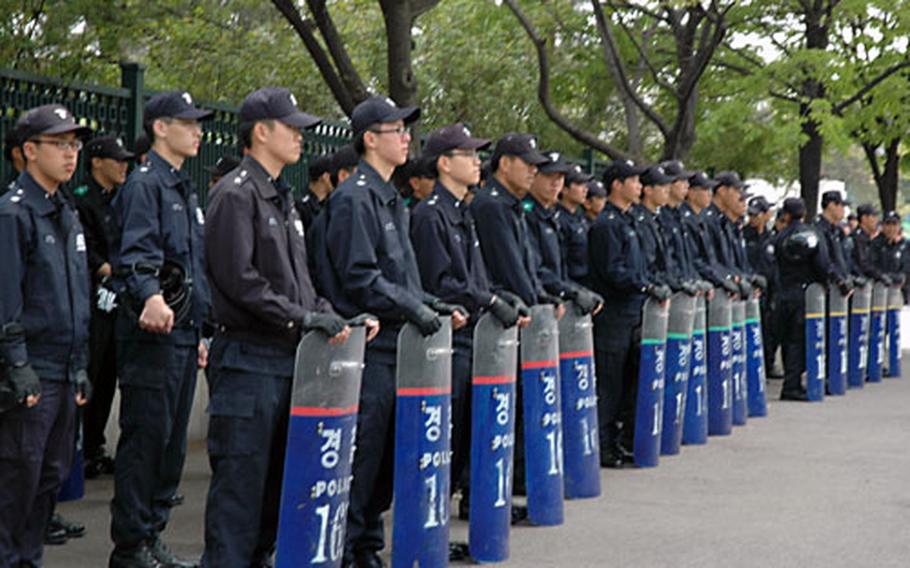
{"points": [[674, 71]]}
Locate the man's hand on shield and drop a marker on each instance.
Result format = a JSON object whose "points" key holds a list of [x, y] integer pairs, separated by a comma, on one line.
{"points": [[369, 321], [459, 313], [330, 324]]}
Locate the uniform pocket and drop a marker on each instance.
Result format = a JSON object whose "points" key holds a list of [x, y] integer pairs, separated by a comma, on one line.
{"points": [[232, 423]]}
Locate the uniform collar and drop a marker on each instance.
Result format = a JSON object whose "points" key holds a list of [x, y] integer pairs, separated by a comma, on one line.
{"points": [[31, 192], [536, 208], [172, 176], [367, 176], [507, 196], [266, 185], [452, 207]]}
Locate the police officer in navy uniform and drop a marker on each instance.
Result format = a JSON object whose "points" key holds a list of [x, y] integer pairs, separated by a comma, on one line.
{"points": [[159, 344], [802, 259], [365, 263], [887, 248], [670, 220], [594, 202], [451, 267], [108, 161], [619, 273], [263, 301], [827, 223], [720, 234], [318, 189], [698, 199], [573, 227], [545, 234], [862, 261], [44, 326]]}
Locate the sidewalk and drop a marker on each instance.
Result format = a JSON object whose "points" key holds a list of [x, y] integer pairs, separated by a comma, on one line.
{"points": [[824, 485]]}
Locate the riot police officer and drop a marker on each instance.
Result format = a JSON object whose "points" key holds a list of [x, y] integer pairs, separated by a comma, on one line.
{"points": [[618, 272], [698, 199], [595, 201], [862, 263], [802, 258], [451, 266], [828, 225], [544, 232], [165, 297], [720, 234], [318, 189], [679, 244], [366, 264], [263, 301], [44, 325], [573, 227], [108, 162], [887, 248]]}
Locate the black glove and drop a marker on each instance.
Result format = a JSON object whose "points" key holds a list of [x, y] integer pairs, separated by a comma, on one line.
{"points": [[759, 281], [844, 287], [83, 385], [506, 313], [523, 310], [704, 286], [729, 285], [745, 289], [689, 288], [659, 292], [360, 320], [329, 324], [886, 280], [545, 298], [860, 281], [25, 382], [447, 309], [426, 320], [899, 278], [586, 301]]}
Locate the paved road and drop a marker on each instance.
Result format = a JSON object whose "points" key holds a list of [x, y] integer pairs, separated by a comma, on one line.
{"points": [[824, 485]]}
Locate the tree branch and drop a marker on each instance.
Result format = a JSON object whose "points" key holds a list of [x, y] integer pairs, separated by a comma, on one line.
{"points": [[840, 107], [335, 44], [419, 7], [543, 89]]}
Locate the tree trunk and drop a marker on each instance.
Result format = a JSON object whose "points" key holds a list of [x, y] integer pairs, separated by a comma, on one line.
{"points": [[398, 21], [886, 179], [810, 161]]}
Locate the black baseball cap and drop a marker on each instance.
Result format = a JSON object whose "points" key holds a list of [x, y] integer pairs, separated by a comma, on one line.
{"points": [[556, 163], [49, 119], [174, 104], [452, 137], [852, 217], [376, 110], [522, 145], [142, 145], [11, 140], [655, 175], [795, 206], [596, 189], [620, 170], [275, 103], [223, 166], [866, 209], [891, 217], [758, 205], [699, 180], [108, 146], [578, 175], [730, 179], [676, 170], [833, 196], [345, 158], [319, 165]]}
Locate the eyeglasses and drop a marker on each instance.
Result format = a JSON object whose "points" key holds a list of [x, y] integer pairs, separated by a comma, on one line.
{"points": [[399, 130], [464, 153], [62, 145]]}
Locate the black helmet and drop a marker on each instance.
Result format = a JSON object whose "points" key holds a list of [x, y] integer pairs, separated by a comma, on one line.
{"points": [[800, 245]]}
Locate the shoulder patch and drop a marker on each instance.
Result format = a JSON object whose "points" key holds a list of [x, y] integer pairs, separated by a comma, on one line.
{"points": [[527, 206], [81, 190]]}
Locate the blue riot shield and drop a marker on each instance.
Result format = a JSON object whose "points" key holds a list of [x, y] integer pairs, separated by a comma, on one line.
{"points": [[423, 410], [320, 448], [858, 346], [581, 449], [877, 333], [738, 362], [895, 303], [680, 322], [492, 438], [650, 402], [837, 342], [695, 427], [542, 416], [720, 391], [755, 360], [815, 342]]}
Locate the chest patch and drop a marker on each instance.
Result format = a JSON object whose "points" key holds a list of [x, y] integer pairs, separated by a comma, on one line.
{"points": [[80, 242], [200, 217], [298, 224]]}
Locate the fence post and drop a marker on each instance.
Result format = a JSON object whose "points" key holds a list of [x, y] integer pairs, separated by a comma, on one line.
{"points": [[589, 159], [132, 77]]}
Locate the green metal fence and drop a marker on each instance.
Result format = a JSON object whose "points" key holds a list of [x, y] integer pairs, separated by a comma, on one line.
{"points": [[118, 110]]}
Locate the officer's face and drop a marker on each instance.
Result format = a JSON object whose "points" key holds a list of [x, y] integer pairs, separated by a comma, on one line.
{"points": [[518, 173], [546, 187], [700, 197], [891, 230], [282, 141], [181, 136], [575, 193], [595, 205], [631, 189], [836, 212], [111, 170], [678, 190], [461, 165], [53, 156], [661, 194], [738, 204], [869, 223], [390, 141]]}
